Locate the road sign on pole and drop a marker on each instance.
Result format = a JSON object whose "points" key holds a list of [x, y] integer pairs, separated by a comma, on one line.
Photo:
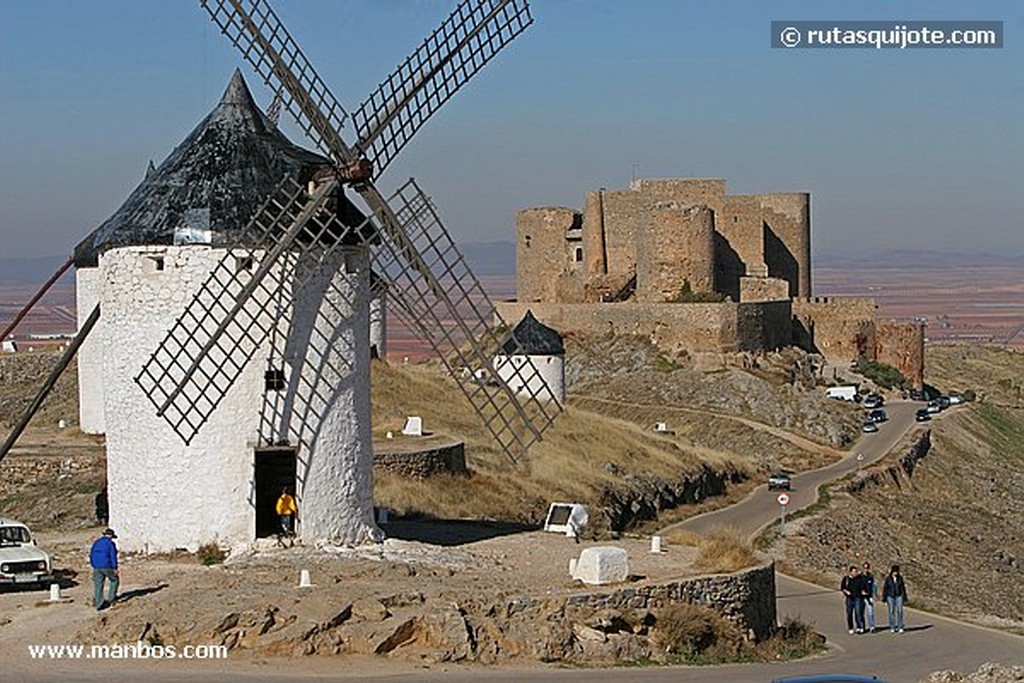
{"points": [[783, 502]]}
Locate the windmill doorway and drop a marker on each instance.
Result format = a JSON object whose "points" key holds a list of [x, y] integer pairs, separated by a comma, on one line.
{"points": [[275, 470]]}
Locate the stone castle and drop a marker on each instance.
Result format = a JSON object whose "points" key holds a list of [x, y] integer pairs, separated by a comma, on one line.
{"points": [[696, 269]]}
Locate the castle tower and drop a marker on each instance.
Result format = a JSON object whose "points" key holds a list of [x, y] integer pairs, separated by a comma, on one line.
{"points": [[787, 239], [297, 415], [677, 251]]}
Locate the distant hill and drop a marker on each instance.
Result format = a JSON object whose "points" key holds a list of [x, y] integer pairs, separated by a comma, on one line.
{"points": [[485, 259], [29, 270], [912, 258]]}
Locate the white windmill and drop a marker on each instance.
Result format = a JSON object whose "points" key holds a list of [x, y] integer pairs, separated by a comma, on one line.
{"points": [[235, 286]]}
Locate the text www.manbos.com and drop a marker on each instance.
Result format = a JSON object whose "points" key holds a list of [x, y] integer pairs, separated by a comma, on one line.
{"points": [[139, 650], [887, 34]]}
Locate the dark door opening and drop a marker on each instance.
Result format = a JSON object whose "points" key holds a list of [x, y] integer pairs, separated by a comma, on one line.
{"points": [[275, 470]]}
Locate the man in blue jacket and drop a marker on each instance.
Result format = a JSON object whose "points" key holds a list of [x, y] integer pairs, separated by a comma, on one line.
{"points": [[103, 558]]}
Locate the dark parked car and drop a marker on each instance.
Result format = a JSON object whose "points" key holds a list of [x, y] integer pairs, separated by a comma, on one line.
{"points": [[922, 415], [943, 402], [873, 401], [779, 480], [878, 415]]}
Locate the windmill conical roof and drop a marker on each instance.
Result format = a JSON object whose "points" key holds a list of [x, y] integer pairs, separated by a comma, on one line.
{"points": [[534, 339], [214, 180]]}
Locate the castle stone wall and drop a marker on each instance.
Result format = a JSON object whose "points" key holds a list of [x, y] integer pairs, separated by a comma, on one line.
{"points": [[594, 254], [763, 325], [901, 345], [541, 251], [718, 327], [787, 238], [763, 289], [839, 328], [679, 248], [739, 222]]}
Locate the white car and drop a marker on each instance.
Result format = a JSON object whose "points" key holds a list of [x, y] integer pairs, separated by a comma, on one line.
{"points": [[21, 561]]}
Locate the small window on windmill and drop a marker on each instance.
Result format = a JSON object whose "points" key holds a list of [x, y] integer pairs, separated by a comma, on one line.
{"points": [[273, 379], [577, 254], [153, 263], [243, 264]]}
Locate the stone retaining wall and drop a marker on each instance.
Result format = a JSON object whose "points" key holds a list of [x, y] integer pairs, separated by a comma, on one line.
{"points": [[746, 598], [443, 458]]}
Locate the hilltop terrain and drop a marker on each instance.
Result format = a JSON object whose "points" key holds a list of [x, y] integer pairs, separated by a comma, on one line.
{"points": [[956, 524]]}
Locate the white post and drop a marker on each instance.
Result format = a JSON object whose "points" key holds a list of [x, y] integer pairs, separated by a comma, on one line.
{"points": [[304, 581], [655, 544], [55, 592]]}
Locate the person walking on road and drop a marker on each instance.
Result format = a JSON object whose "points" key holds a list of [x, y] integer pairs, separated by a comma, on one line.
{"points": [[870, 590], [852, 587], [894, 592], [103, 558]]}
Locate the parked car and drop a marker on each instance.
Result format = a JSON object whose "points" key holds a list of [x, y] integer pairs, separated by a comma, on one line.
{"points": [[922, 415], [873, 401], [877, 415], [844, 393], [779, 481], [918, 395], [21, 561], [943, 402], [934, 407], [869, 426], [955, 399]]}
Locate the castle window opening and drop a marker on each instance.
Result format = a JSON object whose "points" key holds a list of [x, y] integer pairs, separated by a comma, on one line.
{"points": [[154, 263]]}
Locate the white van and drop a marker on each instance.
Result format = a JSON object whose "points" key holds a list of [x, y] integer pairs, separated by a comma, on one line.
{"points": [[845, 393]]}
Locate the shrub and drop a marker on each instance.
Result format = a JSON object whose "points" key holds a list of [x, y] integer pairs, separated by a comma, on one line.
{"points": [[694, 631], [211, 553], [686, 295], [885, 376], [793, 639], [970, 396]]}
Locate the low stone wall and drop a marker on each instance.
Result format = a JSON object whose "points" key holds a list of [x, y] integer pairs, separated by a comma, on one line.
{"points": [[746, 598], [435, 458], [19, 470]]}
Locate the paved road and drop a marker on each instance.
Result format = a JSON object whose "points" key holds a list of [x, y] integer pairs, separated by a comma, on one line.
{"points": [[760, 508], [930, 643]]}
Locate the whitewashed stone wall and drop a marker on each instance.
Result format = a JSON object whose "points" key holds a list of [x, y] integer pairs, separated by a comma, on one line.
{"points": [[90, 354], [548, 383], [164, 494], [379, 324], [328, 406]]}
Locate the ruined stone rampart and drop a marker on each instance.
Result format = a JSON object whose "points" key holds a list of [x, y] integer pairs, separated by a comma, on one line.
{"points": [[840, 328], [723, 327], [901, 345]]}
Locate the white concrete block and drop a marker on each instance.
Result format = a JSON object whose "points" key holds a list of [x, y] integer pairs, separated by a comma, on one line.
{"points": [[413, 426], [602, 564]]}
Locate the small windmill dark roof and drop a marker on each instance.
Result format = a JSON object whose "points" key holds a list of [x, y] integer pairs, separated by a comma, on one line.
{"points": [[534, 339], [214, 180]]}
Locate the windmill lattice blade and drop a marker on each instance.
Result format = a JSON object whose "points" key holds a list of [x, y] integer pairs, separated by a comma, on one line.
{"points": [[474, 32], [255, 30], [230, 315], [438, 297]]}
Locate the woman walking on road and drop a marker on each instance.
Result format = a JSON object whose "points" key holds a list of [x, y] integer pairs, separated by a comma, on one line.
{"points": [[894, 592]]}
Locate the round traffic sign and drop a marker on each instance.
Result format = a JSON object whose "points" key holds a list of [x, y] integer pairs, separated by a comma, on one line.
{"points": [[783, 499]]}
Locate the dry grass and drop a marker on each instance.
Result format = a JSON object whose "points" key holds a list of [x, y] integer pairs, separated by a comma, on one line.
{"points": [[724, 550], [580, 455], [997, 372], [694, 632]]}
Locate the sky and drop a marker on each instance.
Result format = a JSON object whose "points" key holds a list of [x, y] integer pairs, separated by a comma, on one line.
{"points": [[900, 149]]}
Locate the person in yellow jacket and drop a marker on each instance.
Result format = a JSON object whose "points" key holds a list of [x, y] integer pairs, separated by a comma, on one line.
{"points": [[287, 512]]}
